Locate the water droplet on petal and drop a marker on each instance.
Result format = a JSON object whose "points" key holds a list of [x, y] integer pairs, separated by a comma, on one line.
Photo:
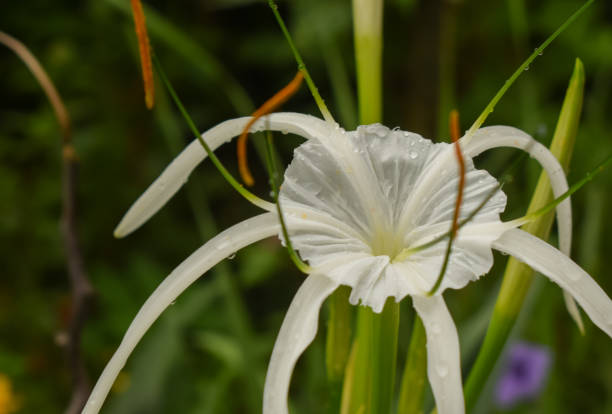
{"points": [[573, 276], [413, 154], [231, 256], [442, 370]]}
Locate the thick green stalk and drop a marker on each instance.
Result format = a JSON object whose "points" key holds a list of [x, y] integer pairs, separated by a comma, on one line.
{"points": [[338, 335], [412, 390], [518, 277], [368, 17]]}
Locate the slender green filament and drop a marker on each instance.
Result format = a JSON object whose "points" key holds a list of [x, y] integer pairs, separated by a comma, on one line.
{"points": [[537, 52], [266, 205], [273, 172], [404, 254], [301, 65]]}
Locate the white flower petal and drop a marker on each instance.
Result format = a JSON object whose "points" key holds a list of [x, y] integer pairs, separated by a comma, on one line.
{"points": [[297, 331], [443, 355], [211, 253], [177, 173], [563, 271], [504, 136]]}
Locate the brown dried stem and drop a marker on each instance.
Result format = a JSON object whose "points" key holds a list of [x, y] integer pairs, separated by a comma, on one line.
{"points": [[82, 290]]}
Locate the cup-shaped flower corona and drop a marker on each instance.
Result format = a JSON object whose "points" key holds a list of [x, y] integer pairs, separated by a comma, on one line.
{"points": [[358, 205]]}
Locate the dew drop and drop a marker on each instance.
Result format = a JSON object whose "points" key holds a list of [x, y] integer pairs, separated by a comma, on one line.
{"points": [[172, 303], [573, 276], [442, 370], [284, 132], [231, 256], [526, 67], [413, 154]]}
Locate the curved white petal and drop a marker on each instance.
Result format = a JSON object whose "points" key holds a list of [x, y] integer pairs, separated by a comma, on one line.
{"points": [[177, 173], [443, 356], [211, 253], [563, 271], [504, 136], [297, 332]]}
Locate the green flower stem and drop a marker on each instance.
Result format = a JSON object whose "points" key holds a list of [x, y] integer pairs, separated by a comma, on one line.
{"points": [[368, 17], [372, 375], [518, 277], [412, 389], [338, 343], [538, 51]]}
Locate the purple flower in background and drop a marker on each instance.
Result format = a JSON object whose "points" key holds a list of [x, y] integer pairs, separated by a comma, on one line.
{"points": [[525, 372]]}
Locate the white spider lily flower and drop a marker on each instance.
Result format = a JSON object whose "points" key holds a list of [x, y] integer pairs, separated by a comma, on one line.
{"points": [[355, 204]]}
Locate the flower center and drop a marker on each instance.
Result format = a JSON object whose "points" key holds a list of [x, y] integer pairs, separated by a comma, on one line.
{"points": [[386, 243]]}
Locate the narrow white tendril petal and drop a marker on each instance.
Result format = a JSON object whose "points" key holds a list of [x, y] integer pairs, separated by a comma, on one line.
{"points": [[297, 332], [211, 253], [177, 173], [563, 271], [443, 356], [503, 136]]}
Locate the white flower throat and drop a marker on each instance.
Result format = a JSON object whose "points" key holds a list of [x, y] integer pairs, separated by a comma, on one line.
{"points": [[390, 190]]}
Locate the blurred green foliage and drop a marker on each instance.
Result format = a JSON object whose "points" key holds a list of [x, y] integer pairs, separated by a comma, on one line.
{"points": [[208, 353]]}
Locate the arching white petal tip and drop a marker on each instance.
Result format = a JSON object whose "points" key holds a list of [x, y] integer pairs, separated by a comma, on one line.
{"points": [[297, 332], [443, 355], [562, 270], [215, 250]]}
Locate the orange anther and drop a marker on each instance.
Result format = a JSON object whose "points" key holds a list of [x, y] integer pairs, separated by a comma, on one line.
{"points": [[270, 105], [145, 52], [455, 134]]}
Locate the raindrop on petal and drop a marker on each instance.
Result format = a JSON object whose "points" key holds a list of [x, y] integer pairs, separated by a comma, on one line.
{"points": [[442, 370]]}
